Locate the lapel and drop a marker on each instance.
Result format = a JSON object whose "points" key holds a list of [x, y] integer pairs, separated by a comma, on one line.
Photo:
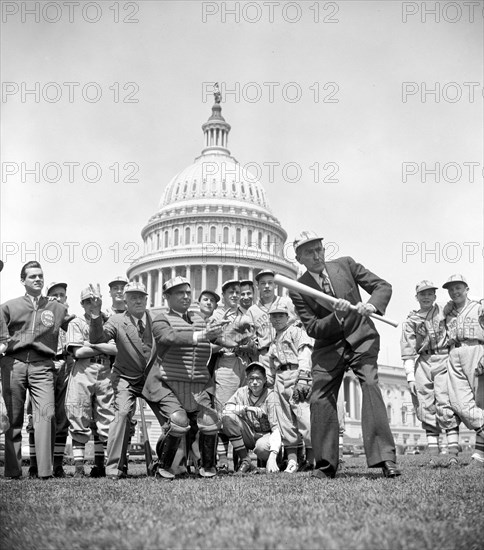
{"points": [[132, 333], [337, 282]]}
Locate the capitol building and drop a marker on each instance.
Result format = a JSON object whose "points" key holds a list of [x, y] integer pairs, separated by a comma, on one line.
{"points": [[214, 224]]}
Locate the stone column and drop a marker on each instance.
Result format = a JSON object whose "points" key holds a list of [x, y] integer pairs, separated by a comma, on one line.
{"points": [[149, 289], [160, 287], [204, 277]]}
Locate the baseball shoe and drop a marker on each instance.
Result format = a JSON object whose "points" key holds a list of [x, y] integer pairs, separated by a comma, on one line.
{"points": [[207, 472], [291, 467], [245, 467], [33, 472], [161, 473], [45, 478], [453, 461], [79, 471], [97, 471], [477, 461], [390, 469], [223, 470], [59, 472]]}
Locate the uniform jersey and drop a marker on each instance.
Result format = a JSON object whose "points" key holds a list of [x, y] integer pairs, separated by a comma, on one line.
{"points": [[266, 401], [287, 347], [261, 320]]}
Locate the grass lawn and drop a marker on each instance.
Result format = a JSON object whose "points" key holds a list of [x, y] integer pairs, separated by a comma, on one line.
{"points": [[427, 508]]}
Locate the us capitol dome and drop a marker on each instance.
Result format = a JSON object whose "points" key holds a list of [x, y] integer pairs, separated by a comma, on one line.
{"points": [[213, 223]]}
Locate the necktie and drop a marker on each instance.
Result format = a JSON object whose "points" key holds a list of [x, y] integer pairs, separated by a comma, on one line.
{"points": [[141, 328], [186, 318], [36, 302], [326, 285]]}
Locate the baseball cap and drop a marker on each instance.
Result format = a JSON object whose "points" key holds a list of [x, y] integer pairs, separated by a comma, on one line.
{"points": [[247, 282], [231, 282], [212, 293], [87, 293], [118, 280], [135, 287], [176, 281], [264, 272], [305, 237], [457, 278], [52, 285], [255, 366], [425, 285], [279, 307]]}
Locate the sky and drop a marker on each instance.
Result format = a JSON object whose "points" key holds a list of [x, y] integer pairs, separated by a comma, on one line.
{"points": [[370, 113]]}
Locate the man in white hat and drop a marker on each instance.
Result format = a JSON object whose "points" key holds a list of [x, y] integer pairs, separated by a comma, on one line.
{"points": [[465, 327], [344, 339], [425, 353]]}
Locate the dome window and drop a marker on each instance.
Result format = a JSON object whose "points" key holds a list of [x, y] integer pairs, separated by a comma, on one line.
{"points": [[166, 239], [176, 234], [249, 237], [213, 234], [238, 233], [200, 235], [187, 235], [226, 235]]}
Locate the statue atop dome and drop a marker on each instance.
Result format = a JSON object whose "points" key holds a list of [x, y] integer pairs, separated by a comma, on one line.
{"points": [[216, 94]]}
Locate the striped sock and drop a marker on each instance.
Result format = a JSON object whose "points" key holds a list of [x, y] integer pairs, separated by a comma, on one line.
{"points": [[480, 441], [32, 453], [239, 447], [99, 452], [340, 443], [223, 448], [433, 442], [453, 441], [59, 448]]}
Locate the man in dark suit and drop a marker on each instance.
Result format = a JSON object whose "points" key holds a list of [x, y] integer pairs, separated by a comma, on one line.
{"points": [[135, 358], [344, 338]]}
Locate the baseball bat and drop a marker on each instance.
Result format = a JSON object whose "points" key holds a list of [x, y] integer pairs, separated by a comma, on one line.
{"points": [[323, 298], [146, 439]]}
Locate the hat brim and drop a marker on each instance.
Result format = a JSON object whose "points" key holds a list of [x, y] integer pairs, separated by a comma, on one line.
{"points": [[302, 243], [446, 285]]}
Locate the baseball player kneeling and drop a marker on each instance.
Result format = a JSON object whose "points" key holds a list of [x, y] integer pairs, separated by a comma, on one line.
{"points": [[249, 420]]}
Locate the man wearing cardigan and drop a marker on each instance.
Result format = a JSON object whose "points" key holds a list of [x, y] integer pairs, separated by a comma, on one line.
{"points": [[344, 339]]}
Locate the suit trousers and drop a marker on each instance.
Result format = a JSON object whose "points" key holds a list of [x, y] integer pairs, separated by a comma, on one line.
{"points": [[377, 437], [125, 395], [38, 378]]}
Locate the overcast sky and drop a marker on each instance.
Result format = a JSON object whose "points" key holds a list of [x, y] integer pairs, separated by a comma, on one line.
{"points": [[371, 113]]}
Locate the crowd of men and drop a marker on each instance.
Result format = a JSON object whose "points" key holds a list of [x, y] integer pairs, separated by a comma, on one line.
{"points": [[263, 375]]}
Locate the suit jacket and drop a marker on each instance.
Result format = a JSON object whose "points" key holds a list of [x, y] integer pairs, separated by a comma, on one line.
{"points": [[321, 323], [130, 363]]}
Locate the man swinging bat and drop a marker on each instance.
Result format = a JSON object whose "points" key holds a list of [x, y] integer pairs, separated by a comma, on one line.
{"points": [[344, 337]]}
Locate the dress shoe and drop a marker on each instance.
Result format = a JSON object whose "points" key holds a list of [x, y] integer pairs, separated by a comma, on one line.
{"points": [[45, 478], [325, 472], [33, 473], [390, 469]]}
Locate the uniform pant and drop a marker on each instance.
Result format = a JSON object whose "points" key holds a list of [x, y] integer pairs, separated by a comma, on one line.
{"points": [[229, 377], [234, 426], [125, 395], [431, 403], [377, 437], [89, 398], [38, 378], [466, 389], [294, 418]]}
